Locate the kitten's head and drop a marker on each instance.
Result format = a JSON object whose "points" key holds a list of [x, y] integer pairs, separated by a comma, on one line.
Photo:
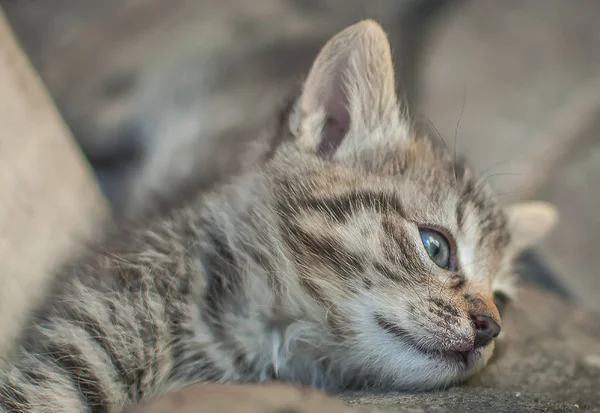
{"points": [[403, 251]]}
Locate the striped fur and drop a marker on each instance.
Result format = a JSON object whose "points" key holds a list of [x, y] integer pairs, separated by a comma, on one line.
{"points": [[307, 269]]}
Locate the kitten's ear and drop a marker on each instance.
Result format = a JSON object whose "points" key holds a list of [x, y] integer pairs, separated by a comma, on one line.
{"points": [[349, 95], [530, 222]]}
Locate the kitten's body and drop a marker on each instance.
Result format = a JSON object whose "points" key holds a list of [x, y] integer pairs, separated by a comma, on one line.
{"points": [[308, 269]]}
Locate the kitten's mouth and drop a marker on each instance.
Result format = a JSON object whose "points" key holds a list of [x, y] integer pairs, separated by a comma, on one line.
{"points": [[460, 358]]}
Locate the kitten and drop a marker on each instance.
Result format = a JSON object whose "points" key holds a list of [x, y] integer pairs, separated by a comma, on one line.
{"points": [[358, 255]]}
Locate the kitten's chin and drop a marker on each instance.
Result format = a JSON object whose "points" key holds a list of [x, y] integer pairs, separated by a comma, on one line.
{"points": [[408, 369]]}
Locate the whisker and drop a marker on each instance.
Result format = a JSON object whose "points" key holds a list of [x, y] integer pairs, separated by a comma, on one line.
{"points": [[456, 134], [482, 181], [441, 138]]}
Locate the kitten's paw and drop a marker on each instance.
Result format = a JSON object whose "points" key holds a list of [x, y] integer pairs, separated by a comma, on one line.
{"points": [[246, 398]]}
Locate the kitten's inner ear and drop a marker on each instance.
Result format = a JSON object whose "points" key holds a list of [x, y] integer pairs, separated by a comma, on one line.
{"points": [[349, 93], [530, 222]]}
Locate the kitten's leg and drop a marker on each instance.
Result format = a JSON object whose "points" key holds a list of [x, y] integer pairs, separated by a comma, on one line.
{"points": [[99, 347]]}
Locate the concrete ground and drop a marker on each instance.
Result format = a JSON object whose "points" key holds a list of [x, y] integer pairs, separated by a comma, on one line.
{"points": [[515, 83]]}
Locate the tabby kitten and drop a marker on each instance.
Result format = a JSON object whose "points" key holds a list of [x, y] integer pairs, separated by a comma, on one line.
{"points": [[358, 255]]}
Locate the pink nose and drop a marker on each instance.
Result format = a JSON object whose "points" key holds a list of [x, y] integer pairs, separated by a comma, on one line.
{"points": [[486, 329]]}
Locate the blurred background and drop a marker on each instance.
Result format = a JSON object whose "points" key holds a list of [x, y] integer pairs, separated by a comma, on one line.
{"points": [[164, 95]]}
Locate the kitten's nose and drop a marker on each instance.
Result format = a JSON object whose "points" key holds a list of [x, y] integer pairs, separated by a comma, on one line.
{"points": [[486, 329]]}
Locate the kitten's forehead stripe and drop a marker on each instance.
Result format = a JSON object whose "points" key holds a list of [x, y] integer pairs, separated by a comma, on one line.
{"points": [[341, 206]]}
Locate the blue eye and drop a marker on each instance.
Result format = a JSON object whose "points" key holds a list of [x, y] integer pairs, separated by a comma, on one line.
{"points": [[437, 247]]}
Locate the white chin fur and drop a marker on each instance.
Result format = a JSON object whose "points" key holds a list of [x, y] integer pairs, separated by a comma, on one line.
{"points": [[400, 366]]}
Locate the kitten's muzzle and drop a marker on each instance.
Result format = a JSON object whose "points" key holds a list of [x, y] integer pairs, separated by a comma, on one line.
{"points": [[486, 329]]}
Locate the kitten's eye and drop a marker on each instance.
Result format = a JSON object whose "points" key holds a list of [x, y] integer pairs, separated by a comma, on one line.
{"points": [[437, 247]]}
